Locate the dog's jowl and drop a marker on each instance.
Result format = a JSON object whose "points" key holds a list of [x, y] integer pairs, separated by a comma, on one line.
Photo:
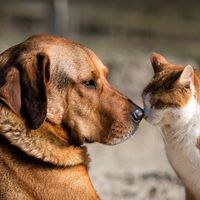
{"points": [[54, 96]]}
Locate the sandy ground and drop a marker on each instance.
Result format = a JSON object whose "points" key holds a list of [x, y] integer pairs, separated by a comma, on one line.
{"points": [[138, 168]]}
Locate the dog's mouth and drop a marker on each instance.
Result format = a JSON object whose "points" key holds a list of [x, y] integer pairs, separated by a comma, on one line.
{"points": [[119, 133], [89, 140]]}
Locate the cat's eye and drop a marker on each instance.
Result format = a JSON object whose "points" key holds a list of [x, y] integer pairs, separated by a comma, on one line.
{"points": [[90, 84], [167, 86]]}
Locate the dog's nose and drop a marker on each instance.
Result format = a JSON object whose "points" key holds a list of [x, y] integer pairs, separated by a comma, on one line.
{"points": [[137, 114]]}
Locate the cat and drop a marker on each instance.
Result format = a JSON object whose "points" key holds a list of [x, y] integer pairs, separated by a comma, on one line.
{"points": [[172, 102]]}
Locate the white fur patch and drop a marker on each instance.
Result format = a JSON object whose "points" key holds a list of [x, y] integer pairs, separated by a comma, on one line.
{"points": [[181, 128]]}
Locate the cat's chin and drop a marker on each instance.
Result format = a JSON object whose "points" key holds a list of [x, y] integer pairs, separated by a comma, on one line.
{"points": [[153, 121]]}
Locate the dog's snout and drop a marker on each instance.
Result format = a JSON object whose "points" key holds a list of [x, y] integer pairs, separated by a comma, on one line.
{"points": [[137, 114]]}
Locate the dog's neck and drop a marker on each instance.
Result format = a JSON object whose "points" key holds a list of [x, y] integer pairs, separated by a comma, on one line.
{"points": [[48, 143]]}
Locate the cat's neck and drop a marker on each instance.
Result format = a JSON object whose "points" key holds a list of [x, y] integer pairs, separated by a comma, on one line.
{"points": [[183, 126], [180, 132]]}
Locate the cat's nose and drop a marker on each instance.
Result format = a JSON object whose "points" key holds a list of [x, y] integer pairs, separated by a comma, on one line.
{"points": [[137, 112]]}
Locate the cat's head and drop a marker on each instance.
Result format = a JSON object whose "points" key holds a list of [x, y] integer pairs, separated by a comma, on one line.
{"points": [[170, 96]]}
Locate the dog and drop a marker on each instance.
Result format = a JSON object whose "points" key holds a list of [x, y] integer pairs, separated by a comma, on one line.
{"points": [[54, 97]]}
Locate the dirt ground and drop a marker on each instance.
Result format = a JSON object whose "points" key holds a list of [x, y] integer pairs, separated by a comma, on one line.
{"points": [[138, 168]]}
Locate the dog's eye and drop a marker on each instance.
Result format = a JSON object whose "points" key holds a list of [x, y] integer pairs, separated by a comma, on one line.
{"points": [[91, 84]]}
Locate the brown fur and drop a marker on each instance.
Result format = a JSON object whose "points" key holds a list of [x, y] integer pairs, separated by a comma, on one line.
{"points": [[54, 96], [165, 86], [198, 143], [189, 195]]}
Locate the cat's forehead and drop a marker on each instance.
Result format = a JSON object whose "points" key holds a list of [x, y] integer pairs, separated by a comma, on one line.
{"points": [[163, 79]]}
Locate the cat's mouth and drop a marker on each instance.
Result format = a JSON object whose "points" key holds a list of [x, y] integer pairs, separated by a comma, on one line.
{"points": [[152, 119]]}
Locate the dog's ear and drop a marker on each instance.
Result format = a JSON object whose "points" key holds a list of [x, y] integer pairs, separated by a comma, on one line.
{"points": [[10, 92], [23, 89], [33, 78]]}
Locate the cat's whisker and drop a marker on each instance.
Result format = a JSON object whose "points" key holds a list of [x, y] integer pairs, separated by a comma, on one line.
{"points": [[179, 136], [164, 138]]}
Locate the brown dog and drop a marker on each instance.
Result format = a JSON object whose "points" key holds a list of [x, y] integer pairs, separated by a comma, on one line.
{"points": [[54, 97]]}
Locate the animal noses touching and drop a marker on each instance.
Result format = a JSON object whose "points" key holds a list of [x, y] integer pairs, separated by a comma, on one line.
{"points": [[147, 112]]}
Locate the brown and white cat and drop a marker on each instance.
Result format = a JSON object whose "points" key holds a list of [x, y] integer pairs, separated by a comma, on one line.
{"points": [[172, 102]]}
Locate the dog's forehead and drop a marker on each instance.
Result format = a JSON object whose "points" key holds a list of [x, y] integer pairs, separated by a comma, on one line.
{"points": [[75, 61], [99, 65]]}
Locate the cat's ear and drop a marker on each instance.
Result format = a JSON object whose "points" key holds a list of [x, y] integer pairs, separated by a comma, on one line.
{"points": [[158, 62], [187, 76]]}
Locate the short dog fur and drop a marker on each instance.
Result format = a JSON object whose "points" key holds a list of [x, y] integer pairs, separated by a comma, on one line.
{"points": [[54, 96]]}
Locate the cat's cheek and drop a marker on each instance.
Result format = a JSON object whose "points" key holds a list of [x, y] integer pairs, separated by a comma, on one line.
{"points": [[151, 114], [188, 112]]}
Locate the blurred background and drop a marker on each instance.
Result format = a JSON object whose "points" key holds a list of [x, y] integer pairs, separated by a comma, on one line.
{"points": [[123, 34]]}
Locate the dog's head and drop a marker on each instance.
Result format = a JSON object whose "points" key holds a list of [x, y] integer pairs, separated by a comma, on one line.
{"points": [[49, 78]]}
